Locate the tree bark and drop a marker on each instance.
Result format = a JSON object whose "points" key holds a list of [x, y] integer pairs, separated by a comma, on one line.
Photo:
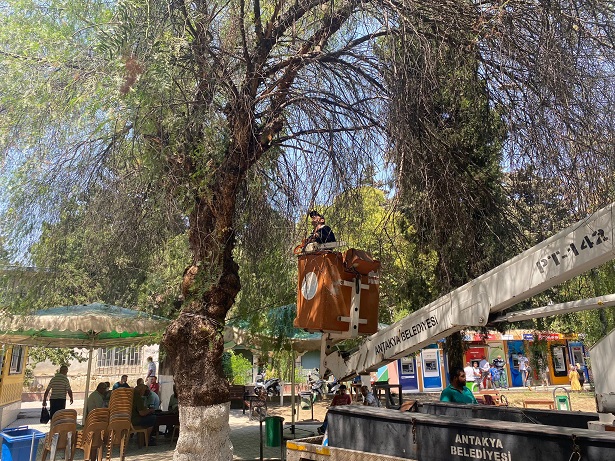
{"points": [[195, 340]]}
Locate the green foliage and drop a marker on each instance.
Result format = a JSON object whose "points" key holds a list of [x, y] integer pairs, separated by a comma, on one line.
{"points": [[237, 369], [366, 219], [57, 356], [282, 367], [79, 262], [450, 140], [538, 354]]}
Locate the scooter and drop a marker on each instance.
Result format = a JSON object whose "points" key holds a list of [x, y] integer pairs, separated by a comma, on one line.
{"points": [[333, 386], [317, 384], [270, 387]]}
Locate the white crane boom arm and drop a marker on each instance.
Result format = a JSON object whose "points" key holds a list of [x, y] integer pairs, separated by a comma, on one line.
{"points": [[557, 309], [578, 248]]}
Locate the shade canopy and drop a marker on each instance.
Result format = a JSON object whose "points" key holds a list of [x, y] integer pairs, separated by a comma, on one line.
{"points": [[91, 325], [86, 326]]}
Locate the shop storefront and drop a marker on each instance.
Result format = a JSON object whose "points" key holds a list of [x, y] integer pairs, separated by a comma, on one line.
{"points": [[426, 371]]}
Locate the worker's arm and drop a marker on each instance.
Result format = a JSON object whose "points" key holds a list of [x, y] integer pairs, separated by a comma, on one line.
{"points": [[70, 394], [46, 394]]}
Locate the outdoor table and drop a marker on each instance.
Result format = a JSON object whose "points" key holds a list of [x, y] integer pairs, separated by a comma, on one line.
{"points": [[166, 418]]}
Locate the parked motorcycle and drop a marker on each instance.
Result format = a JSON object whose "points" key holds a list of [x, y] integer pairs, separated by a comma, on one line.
{"points": [[333, 386], [317, 384], [270, 387]]}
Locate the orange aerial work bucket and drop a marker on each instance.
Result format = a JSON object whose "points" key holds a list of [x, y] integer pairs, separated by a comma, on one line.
{"points": [[324, 294]]}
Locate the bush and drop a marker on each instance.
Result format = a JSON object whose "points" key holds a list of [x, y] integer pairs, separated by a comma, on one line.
{"points": [[237, 369]]}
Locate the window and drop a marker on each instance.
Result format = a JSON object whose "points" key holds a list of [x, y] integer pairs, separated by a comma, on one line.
{"points": [[16, 360], [119, 356]]}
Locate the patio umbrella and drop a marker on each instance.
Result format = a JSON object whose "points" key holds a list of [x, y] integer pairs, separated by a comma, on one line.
{"points": [[85, 326]]}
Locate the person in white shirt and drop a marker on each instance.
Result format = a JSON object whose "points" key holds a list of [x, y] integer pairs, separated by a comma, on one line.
{"points": [[151, 370], [523, 361], [486, 375], [469, 371]]}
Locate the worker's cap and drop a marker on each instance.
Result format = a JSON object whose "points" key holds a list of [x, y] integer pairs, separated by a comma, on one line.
{"points": [[315, 213]]}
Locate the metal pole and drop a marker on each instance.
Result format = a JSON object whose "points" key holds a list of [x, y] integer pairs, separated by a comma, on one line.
{"points": [[282, 442], [292, 395], [260, 423], [32, 447], [87, 385]]}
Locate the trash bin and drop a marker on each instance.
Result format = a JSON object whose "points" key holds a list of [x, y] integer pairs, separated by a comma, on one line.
{"points": [[273, 428], [562, 402], [306, 400], [18, 443]]}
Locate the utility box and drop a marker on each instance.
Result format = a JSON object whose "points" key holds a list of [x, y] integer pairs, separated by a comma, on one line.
{"points": [[20, 444], [327, 280]]}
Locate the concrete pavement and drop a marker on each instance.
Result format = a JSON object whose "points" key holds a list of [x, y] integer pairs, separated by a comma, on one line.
{"points": [[245, 436]]}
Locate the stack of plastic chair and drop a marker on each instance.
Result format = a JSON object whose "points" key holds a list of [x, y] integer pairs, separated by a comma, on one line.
{"points": [[62, 435], [93, 435], [120, 412]]}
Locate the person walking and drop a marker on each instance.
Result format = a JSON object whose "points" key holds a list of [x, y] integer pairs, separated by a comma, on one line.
{"points": [[59, 387], [573, 376], [151, 370]]}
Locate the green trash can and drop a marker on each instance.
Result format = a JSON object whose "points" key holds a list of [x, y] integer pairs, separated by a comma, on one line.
{"points": [[562, 402], [273, 428]]}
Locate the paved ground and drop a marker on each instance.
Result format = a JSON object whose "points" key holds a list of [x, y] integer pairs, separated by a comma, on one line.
{"points": [[245, 436]]}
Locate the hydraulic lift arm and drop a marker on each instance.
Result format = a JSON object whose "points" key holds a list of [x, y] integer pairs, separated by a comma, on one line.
{"points": [[578, 248]]}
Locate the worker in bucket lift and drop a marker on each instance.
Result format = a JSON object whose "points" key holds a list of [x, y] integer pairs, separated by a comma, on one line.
{"points": [[322, 233]]}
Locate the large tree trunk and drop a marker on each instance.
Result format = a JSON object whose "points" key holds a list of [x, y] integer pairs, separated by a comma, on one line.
{"points": [[194, 341]]}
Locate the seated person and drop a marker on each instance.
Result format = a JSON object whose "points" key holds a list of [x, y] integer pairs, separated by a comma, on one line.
{"points": [[368, 397], [340, 399], [152, 400], [456, 391], [123, 382], [107, 393], [154, 386], [141, 415], [173, 403], [173, 408], [97, 398], [140, 381]]}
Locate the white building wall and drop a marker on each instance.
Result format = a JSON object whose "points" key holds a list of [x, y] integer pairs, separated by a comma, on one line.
{"points": [[601, 355]]}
